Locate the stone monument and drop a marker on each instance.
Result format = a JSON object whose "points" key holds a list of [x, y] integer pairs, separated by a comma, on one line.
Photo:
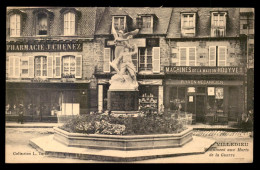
{"points": [[123, 90]]}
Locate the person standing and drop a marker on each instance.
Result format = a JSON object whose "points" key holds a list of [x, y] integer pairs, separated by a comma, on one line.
{"points": [[21, 113]]}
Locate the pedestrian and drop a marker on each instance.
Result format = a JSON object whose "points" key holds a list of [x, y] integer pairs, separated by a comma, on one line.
{"points": [[21, 112]]}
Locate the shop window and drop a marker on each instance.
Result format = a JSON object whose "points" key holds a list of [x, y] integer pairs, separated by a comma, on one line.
{"points": [[217, 55], [187, 56], [215, 100], [40, 66], [15, 25], [119, 22], [218, 24], [177, 98], [69, 23], [188, 24], [148, 98]]}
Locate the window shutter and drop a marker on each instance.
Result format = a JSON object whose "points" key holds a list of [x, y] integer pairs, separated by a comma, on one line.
{"points": [[192, 56], [106, 65], [17, 67], [139, 22], [24, 67], [31, 67], [222, 51], [156, 59], [212, 56], [57, 67], [183, 56], [11, 66], [7, 66], [78, 66], [50, 67]]}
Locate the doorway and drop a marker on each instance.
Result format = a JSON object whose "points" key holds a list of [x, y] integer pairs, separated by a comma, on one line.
{"points": [[233, 104], [200, 108]]}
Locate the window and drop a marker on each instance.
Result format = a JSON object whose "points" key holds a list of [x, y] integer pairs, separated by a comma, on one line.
{"points": [[15, 25], [145, 59], [69, 23], [119, 22], [42, 24], [146, 21], [41, 66], [188, 24], [187, 56], [218, 24], [217, 55], [69, 66], [149, 59]]}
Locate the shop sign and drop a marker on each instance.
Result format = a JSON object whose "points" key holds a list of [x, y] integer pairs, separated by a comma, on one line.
{"points": [[43, 46], [204, 82], [150, 82], [202, 70], [140, 42]]}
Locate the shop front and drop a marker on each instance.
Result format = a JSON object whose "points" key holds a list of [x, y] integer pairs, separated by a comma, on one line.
{"points": [[211, 98], [45, 101]]}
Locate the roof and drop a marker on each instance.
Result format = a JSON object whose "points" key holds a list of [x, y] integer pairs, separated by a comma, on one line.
{"points": [[163, 15]]}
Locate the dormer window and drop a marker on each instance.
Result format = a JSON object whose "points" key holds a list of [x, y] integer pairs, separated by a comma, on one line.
{"points": [[42, 24], [145, 22], [119, 22], [188, 24], [15, 25], [42, 18], [218, 24], [70, 18], [69, 23]]}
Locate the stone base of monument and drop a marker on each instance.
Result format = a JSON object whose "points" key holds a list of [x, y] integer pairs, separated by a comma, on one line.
{"points": [[122, 101], [120, 148]]}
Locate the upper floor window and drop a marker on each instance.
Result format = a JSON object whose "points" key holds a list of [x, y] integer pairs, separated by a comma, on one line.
{"points": [[146, 22], [119, 22], [69, 23], [188, 24], [40, 66], [218, 24], [15, 25], [217, 56], [187, 56], [42, 24], [69, 66], [145, 59]]}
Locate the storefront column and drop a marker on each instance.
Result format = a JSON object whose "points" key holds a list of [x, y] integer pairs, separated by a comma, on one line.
{"points": [[160, 97], [100, 98]]}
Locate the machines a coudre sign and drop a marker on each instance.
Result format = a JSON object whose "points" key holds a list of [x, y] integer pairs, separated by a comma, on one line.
{"points": [[202, 70], [44, 46]]}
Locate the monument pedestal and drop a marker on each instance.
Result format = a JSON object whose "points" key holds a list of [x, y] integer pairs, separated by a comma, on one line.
{"points": [[122, 101]]}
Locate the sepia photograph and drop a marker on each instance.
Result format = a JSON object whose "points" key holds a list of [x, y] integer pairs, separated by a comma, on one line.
{"points": [[129, 84]]}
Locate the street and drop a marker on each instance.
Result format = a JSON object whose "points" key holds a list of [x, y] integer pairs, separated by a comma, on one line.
{"points": [[18, 149]]}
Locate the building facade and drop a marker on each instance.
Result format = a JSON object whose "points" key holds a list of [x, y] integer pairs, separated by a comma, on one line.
{"points": [[50, 60], [189, 59]]}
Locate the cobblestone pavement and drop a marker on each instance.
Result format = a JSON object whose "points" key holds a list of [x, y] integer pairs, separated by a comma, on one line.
{"points": [[17, 141], [221, 133]]}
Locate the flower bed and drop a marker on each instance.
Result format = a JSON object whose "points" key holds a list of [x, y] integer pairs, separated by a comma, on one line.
{"points": [[124, 125]]}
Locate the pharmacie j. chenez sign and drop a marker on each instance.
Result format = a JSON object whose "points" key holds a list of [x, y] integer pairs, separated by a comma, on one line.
{"points": [[41, 46], [202, 70]]}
